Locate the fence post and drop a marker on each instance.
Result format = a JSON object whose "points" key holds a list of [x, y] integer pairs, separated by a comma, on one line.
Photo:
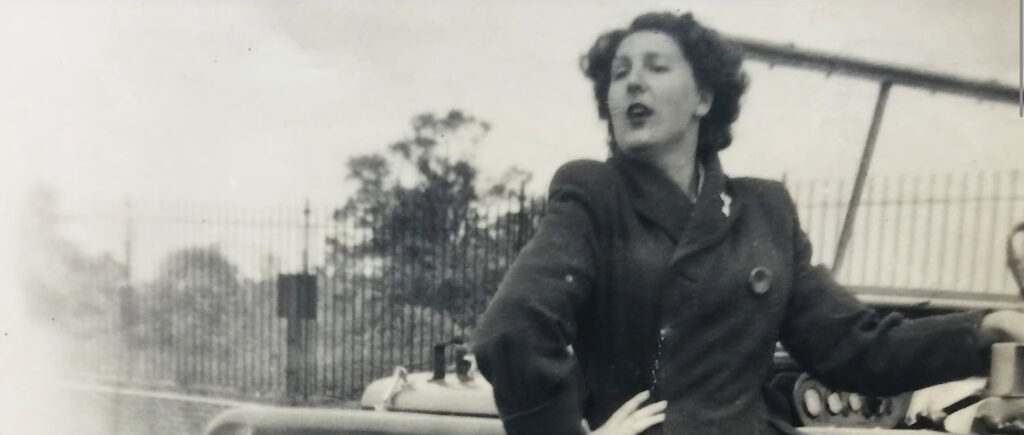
{"points": [[297, 304]]}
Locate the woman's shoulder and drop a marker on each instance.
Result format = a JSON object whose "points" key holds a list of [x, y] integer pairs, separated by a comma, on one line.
{"points": [[767, 193], [592, 184], [591, 177]]}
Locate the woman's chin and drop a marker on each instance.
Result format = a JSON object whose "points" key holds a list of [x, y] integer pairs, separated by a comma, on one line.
{"points": [[638, 149]]}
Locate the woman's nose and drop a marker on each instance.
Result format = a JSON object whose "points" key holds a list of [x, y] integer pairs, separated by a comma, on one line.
{"points": [[634, 86]]}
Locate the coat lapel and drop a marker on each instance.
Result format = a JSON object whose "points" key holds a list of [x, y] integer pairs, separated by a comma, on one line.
{"points": [[654, 196], [713, 215], [691, 227]]}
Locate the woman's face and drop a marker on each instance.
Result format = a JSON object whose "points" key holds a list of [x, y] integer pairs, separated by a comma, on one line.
{"points": [[653, 99]]}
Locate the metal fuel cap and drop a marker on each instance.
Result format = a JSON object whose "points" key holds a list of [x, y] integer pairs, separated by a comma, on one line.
{"points": [[760, 280]]}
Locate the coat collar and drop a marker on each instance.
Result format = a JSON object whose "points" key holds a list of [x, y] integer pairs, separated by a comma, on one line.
{"points": [[692, 226], [654, 196]]}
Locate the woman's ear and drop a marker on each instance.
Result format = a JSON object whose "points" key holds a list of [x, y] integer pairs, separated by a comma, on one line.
{"points": [[707, 97]]}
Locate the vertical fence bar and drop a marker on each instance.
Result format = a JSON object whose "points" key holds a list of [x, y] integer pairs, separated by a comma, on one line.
{"points": [[309, 326], [178, 313], [284, 240], [349, 309], [219, 304], [242, 336], [247, 335], [468, 288], [436, 257], [865, 234], [486, 254], [478, 284], [268, 296], [331, 293], [215, 301], [228, 344], [274, 371], [881, 204], [915, 203], [166, 295], [186, 308], [239, 371], [840, 211], [413, 276], [975, 255], [508, 234], [959, 248], [332, 264], [362, 314], [406, 253], [123, 332], [351, 306], [798, 200], [447, 275], [198, 322], [1010, 216], [390, 289], [268, 293], [821, 221], [261, 293], [944, 229], [261, 333], [898, 233], [279, 344], [927, 257], [809, 211], [378, 323], [992, 231]]}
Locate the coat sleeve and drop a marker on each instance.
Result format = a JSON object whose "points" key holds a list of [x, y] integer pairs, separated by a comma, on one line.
{"points": [[850, 346], [522, 343]]}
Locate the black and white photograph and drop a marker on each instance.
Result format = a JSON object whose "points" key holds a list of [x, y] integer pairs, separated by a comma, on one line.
{"points": [[455, 217]]}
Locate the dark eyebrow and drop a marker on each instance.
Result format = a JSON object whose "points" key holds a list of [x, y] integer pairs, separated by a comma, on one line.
{"points": [[652, 55]]}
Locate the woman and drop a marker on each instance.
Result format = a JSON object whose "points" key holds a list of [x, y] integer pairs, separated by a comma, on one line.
{"points": [[654, 278]]}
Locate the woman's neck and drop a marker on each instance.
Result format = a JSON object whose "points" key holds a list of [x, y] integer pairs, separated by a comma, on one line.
{"points": [[679, 163]]}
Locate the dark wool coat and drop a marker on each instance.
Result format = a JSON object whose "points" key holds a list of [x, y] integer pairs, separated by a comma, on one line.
{"points": [[626, 287]]}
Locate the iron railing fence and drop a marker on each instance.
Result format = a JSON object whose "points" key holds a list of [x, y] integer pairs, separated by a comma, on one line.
{"points": [[197, 306], [937, 232]]}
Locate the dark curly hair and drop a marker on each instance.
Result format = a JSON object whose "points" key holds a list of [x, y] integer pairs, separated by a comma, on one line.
{"points": [[715, 63]]}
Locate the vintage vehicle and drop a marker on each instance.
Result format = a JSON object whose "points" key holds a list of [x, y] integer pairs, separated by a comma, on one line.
{"points": [[459, 401]]}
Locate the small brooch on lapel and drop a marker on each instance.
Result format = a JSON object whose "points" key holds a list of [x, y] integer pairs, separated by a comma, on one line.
{"points": [[760, 280], [726, 202]]}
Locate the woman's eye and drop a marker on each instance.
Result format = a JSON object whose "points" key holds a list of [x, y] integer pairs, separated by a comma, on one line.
{"points": [[619, 73], [659, 68]]}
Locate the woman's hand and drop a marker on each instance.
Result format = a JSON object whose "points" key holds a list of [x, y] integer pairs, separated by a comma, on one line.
{"points": [[629, 420], [1003, 326]]}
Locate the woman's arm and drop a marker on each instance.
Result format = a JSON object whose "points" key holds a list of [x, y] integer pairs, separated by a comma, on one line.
{"points": [[850, 346], [522, 343]]}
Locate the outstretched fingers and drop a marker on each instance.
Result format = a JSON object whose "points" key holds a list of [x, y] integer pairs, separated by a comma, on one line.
{"points": [[628, 408], [631, 419]]}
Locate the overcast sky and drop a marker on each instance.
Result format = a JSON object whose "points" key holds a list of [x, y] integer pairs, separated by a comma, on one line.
{"points": [[263, 102]]}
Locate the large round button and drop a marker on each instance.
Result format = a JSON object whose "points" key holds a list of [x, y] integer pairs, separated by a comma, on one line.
{"points": [[760, 280]]}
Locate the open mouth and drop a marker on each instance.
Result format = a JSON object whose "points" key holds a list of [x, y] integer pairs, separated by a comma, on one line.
{"points": [[638, 112]]}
